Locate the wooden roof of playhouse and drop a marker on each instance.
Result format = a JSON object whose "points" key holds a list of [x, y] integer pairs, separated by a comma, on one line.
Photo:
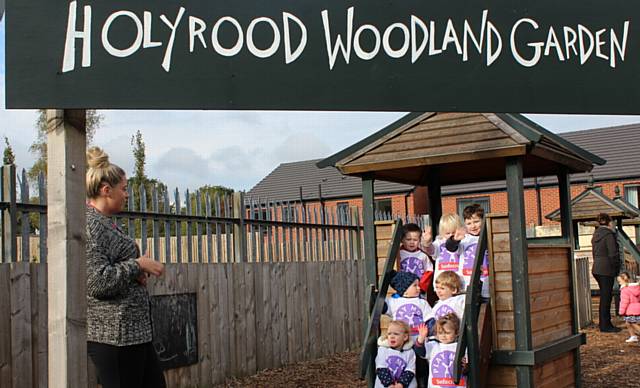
{"points": [[587, 205], [473, 146]]}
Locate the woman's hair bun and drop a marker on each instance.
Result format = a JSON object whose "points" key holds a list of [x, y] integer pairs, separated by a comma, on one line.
{"points": [[97, 158]]}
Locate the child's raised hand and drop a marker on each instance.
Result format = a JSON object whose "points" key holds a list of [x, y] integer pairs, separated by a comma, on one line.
{"points": [[460, 233], [427, 236], [423, 332]]}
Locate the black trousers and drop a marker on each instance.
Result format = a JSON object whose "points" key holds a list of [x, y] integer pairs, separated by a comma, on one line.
{"points": [[134, 366], [606, 294]]}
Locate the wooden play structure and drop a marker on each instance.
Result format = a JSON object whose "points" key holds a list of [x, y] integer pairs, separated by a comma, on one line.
{"points": [[527, 335]]}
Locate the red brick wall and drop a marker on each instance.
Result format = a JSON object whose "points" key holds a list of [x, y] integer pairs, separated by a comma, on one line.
{"points": [[550, 199], [416, 202]]}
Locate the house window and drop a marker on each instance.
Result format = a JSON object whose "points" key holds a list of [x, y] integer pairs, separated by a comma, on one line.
{"points": [[631, 194], [464, 202], [343, 211], [383, 205]]}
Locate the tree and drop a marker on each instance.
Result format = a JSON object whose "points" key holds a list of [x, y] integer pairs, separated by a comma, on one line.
{"points": [[140, 180], [8, 157], [139, 156], [39, 146]]}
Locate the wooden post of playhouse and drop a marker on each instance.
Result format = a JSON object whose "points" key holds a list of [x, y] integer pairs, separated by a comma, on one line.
{"points": [[566, 223], [519, 267], [370, 261], [66, 279], [434, 193]]}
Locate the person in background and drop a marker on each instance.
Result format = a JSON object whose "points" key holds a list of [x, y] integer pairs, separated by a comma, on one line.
{"points": [[606, 265], [630, 305], [119, 331]]}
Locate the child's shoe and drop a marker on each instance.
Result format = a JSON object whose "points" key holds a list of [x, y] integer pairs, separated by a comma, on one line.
{"points": [[633, 338]]}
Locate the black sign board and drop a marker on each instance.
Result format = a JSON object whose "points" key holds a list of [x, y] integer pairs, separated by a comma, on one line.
{"points": [[175, 329], [410, 55]]}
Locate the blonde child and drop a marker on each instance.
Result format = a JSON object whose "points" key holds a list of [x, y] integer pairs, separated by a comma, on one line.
{"points": [[445, 260], [412, 259], [465, 242], [630, 305], [396, 360], [448, 287], [441, 353]]}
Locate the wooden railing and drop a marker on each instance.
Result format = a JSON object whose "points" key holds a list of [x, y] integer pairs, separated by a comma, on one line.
{"points": [[469, 338]]}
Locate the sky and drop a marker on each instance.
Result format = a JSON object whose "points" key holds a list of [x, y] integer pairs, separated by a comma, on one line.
{"points": [[189, 149]]}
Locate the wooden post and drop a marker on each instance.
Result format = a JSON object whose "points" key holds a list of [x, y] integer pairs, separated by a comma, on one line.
{"points": [[10, 215], [519, 266], [239, 233], [566, 222], [67, 296], [434, 193], [370, 261]]}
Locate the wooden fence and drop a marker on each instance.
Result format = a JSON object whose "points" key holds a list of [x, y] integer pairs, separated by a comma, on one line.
{"points": [[251, 316], [275, 282]]}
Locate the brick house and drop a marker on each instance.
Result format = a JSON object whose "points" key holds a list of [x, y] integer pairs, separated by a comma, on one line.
{"points": [[304, 182]]}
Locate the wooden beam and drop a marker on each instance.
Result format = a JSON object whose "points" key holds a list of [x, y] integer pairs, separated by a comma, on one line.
{"points": [[66, 240], [519, 266], [352, 169], [566, 223]]}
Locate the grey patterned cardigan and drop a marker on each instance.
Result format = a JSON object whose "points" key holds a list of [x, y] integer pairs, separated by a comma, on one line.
{"points": [[117, 305]]}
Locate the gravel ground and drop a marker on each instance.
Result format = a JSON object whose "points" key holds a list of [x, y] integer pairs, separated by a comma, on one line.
{"points": [[606, 361]]}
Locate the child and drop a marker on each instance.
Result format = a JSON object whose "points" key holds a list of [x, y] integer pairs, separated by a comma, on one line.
{"points": [[445, 260], [448, 287], [412, 259], [441, 353], [406, 305], [467, 245], [630, 305], [396, 360]]}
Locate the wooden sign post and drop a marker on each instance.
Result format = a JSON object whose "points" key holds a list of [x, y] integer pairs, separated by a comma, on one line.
{"points": [[66, 275]]}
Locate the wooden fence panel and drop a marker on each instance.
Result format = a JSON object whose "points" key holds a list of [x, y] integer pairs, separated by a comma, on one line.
{"points": [[21, 338], [39, 323], [291, 307], [251, 316], [5, 326]]}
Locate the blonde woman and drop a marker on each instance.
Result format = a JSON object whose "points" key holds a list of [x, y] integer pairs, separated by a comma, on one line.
{"points": [[118, 318]]}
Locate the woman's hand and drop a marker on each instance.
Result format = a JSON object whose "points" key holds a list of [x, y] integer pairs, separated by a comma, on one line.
{"points": [[149, 265], [142, 279]]}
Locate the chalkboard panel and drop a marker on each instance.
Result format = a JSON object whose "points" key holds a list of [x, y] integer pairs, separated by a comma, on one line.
{"points": [[175, 329]]}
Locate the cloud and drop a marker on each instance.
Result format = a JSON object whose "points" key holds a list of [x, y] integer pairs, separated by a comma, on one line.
{"points": [[300, 146], [180, 167], [119, 151]]}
